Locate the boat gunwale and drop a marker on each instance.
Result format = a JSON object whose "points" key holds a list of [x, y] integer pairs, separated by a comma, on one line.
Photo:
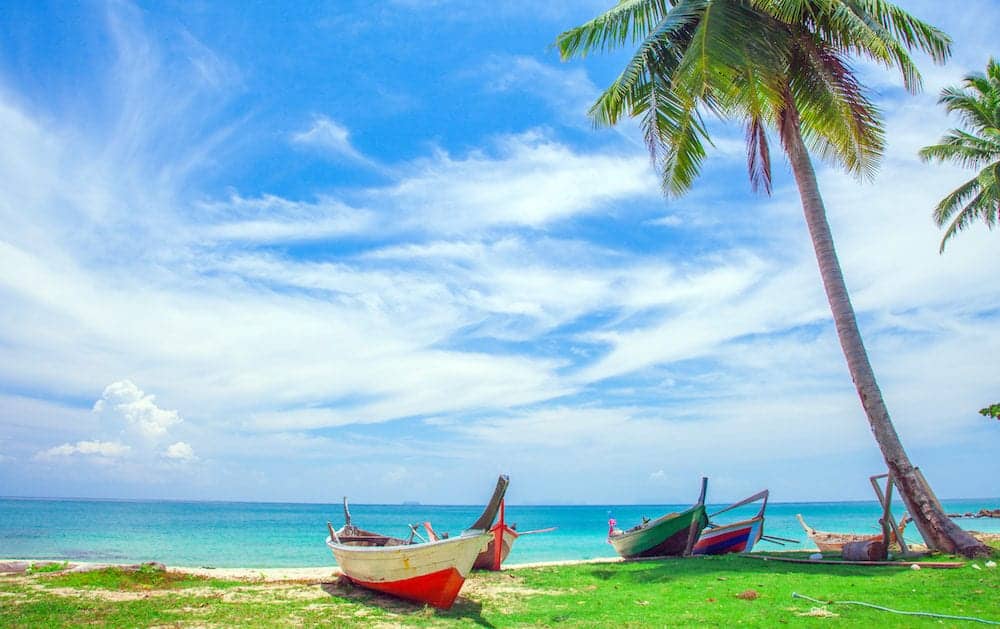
{"points": [[648, 526], [725, 527], [464, 536]]}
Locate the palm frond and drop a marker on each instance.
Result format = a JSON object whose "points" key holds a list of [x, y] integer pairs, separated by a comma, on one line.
{"points": [[975, 112], [875, 29], [955, 200], [683, 151], [658, 54], [837, 119], [758, 156], [983, 205], [630, 20], [963, 148]]}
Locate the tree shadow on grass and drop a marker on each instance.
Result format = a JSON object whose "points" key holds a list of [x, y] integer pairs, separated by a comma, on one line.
{"points": [[662, 570], [654, 574], [463, 608]]}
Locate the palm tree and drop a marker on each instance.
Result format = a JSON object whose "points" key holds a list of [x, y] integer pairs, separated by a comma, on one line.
{"points": [[975, 146], [775, 65]]}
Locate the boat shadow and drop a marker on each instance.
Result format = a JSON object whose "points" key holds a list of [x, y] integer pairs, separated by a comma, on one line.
{"points": [[464, 608]]}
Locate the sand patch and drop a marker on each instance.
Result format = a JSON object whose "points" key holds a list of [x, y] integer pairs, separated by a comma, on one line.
{"points": [[986, 537], [114, 596]]}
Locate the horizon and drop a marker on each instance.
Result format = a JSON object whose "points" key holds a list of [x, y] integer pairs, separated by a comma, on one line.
{"points": [[254, 251], [408, 503]]}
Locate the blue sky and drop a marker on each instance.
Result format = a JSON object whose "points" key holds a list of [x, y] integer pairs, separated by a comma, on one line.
{"points": [[251, 252]]}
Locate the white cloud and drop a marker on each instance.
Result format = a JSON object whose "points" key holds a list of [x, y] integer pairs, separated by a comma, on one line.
{"points": [[532, 181], [331, 137], [139, 410], [180, 451], [669, 220], [269, 218], [568, 91], [106, 449]]}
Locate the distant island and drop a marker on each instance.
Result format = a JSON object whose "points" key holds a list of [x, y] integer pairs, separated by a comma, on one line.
{"points": [[411, 503]]}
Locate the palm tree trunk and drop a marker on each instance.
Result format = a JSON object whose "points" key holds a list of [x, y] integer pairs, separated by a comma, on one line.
{"points": [[937, 529]]}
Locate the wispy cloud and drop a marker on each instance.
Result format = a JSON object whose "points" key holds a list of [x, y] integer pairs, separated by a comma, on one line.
{"points": [[529, 180], [332, 138]]}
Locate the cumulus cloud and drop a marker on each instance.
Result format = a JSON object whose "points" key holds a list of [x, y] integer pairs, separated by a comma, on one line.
{"points": [[106, 449], [139, 410], [180, 451]]}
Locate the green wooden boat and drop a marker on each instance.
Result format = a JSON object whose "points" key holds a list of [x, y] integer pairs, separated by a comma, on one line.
{"points": [[670, 534]]}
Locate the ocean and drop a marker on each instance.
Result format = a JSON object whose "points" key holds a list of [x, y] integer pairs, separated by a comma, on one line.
{"points": [[278, 535]]}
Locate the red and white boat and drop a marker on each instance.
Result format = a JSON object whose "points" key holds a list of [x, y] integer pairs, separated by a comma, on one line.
{"points": [[502, 538], [738, 537], [429, 572]]}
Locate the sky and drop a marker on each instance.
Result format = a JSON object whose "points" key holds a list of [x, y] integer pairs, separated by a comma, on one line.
{"points": [[264, 252]]}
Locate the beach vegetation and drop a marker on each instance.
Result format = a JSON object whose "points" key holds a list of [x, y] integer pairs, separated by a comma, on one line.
{"points": [[146, 577], [779, 67], [47, 566], [976, 145]]}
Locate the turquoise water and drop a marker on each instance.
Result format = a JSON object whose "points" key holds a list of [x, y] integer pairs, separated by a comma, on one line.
{"points": [[272, 535]]}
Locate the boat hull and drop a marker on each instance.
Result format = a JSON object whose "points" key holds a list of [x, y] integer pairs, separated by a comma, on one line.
{"points": [[665, 536], [431, 573], [832, 543], [739, 537], [487, 560]]}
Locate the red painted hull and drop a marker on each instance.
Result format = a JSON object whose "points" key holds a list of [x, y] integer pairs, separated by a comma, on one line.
{"points": [[438, 589], [734, 538], [487, 560]]}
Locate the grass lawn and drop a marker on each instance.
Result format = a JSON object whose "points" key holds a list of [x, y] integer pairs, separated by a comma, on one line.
{"points": [[707, 591]]}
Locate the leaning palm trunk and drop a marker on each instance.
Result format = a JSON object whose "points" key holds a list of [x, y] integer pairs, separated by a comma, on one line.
{"points": [[938, 531]]}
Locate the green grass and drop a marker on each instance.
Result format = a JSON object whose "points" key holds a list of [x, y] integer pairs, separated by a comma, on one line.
{"points": [[44, 567], [145, 578], [712, 591]]}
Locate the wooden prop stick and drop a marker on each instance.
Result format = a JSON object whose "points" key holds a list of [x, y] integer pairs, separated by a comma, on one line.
{"points": [[886, 501], [548, 530], [498, 538], [772, 538], [754, 498]]}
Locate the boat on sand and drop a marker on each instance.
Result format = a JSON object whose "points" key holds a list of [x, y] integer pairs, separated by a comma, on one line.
{"points": [[669, 534], [834, 542], [738, 537], [430, 572], [502, 537]]}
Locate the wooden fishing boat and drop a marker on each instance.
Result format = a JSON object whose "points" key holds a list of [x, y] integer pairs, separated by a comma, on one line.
{"points": [[670, 534], [490, 558], [502, 536], [738, 537], [834, 542], [430, 572]]}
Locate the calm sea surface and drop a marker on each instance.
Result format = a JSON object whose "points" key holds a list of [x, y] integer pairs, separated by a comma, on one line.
{"points": [[272, 535]]}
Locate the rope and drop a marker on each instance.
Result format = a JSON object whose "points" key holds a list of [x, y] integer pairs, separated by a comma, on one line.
{"points": [[896, 611]]}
